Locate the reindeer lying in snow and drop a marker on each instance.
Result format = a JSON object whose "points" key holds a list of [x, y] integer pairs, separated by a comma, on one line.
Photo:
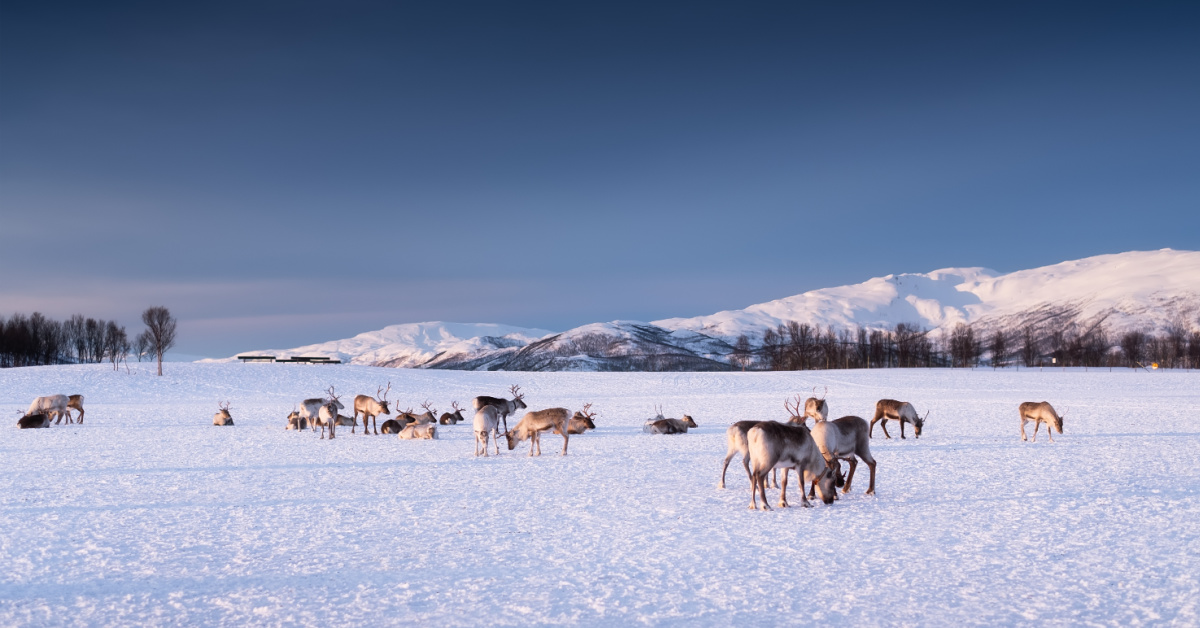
{"points": [[32, 421], [777, 446], [899, 411], [533, 424], [660, 425], [416, 431], [222, 417], [1040, 412], [452, 418], [296, 422]]}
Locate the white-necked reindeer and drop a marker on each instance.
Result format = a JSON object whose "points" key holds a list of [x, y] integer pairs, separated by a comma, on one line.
{"points": [[777, 446], [1041, 412], [222, 417], [54, 406], [504, 407], [416, 431], [818, 409], [660, 425], [900, 411], [370, 407], [487, 421], [845, 439], [452, 418], [581, 421], [534, 423], [322, 411], [735, 439]]}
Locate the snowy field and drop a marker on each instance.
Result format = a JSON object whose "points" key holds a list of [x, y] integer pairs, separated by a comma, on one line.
{"points": [[149, 515]]}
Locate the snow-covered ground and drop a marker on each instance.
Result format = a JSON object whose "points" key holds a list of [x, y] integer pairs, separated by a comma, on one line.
{"points": [[147, 514]]}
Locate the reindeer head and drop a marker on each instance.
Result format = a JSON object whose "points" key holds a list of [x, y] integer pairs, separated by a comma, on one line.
{"points": [[518, 397], [586, 415], [689, 421], [455, 409], [429, 409], [382, 395], [223, 407], [919, 425], [1059, 425], [796, 418], [511, 437], [333, 402], [829, 480]]}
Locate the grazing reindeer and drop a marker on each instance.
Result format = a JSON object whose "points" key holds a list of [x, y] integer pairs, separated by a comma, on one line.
{"points": [[900, 411], [1041, 413], [419, 432], [816, 408], [581, 421], [222, 417], [31, 421], [52, 405], [777, 446], [659, 425], [322, 411], [452, 418], [487, 420], [735, 437], [533, 424], [504, 406], [296, 422], [370, 407], [75, 402], [845, 439]]}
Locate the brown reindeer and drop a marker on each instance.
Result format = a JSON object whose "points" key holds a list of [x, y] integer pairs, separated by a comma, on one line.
{"points": [[505, 407], [899, 411], [420, 419], [370, 407], [777, 446], [452, 418], [222, 417], [660, 425], [75, 402], [845, 439], [581, 421], [1041, 412], [534, 423]]}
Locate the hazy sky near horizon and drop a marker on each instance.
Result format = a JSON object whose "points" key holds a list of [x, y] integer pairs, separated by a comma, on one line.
{"points": [[282, 173]]}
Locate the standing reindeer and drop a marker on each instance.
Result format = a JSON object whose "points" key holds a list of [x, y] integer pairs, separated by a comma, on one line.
{"points": [[322, 411], [54, 406], [487, 421], [777, 446], [660, 425], [899, 411], [1040, 413], [75, 402], [845, 439], [222, 417], [505, 407], [735, 439], [581, 421], [533, 424], [452, 418], [370, 408], [816, 408]]}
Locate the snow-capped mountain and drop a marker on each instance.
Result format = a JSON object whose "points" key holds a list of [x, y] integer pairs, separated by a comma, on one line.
{"points": [[1143, 290]]}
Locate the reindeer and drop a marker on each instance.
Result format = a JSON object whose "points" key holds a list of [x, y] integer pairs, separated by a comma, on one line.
{"points": [[1040, 413], [487, 420], [408, 416], [777, 446], [816, 408], [660, 425], [75, 402], [452, 418], [845, 439], [322, 411], [222, 417], [31, 421], [900, 411], [296, 422], [581, 421], [370, 407], [735, 438], [534, 423], [52, 405], [419, 432], [504, 406]]}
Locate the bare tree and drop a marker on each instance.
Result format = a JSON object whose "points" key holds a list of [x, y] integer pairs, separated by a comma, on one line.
{"points": [[1133, 344], [741, 352], [160, 331], [999, 349]]}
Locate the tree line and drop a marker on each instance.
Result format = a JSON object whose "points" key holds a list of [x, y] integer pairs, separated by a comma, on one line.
{"points": [[36, 339], [795, 346]]}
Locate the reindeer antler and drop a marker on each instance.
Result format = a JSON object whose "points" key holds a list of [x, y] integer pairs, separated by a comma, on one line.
{"points": [[792, 411], [587, 410], [331, 393], [224, 405], [454, 406], [389, 389], [823, 395], [516, 391], [427, 407]]}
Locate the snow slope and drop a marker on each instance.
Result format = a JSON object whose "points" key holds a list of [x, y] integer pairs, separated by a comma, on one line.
{"points": [[1139, 289], [148, 515]]}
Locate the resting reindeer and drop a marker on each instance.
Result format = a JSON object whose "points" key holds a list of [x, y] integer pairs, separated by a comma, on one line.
{"points": [[900, 411], [75, 402], [505, 407], [323, 412], [392, 426], [1040, 413], [777, 446], [534, 423], [296, 422], [222, 417], [660, 425], [845, 439], [452, 418], [370, 407], [31, 421], [426, 417], [487, 421], [580, 422], [419, 432], [54, 406]]}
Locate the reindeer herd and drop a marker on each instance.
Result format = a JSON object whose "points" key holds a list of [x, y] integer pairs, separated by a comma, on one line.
{"points": [[766, 447]]}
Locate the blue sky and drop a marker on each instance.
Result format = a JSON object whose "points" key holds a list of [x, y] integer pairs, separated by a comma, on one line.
{"points": [[285, 173]]}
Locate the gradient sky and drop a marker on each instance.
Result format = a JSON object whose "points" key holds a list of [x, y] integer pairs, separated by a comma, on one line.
{"points": [[281, 173]]}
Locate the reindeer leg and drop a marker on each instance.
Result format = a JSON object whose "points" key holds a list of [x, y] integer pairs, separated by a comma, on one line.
{"points": [[901, 428], [883, 424], [871, 466], [850, 476], [1036, 426], [728, 457], [871, 431], [783, 490], [1050, 432], [753, 491], [1023, 437]]}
